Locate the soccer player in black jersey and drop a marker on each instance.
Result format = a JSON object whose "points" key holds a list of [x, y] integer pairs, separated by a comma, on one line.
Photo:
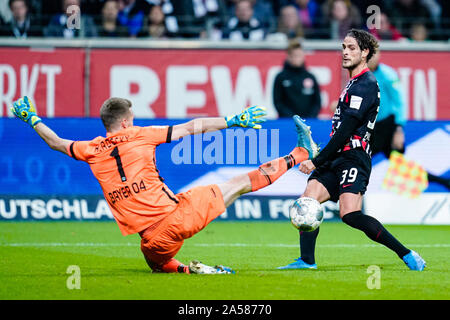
{"points": [[342, 169]]}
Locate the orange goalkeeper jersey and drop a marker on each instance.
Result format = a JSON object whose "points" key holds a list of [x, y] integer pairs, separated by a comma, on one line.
{"points": [[125, 166]]}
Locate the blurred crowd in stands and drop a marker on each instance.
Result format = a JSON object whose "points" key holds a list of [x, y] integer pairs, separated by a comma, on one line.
{"points": [[239, 20]]}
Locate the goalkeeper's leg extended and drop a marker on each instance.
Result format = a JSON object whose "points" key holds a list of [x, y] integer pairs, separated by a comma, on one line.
{"points": [[208, 202], [270, 171]]}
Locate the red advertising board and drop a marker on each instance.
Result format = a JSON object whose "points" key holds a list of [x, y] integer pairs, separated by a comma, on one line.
{"points": [[53, 78], [178, 83], [425, 80], [189, 83]]}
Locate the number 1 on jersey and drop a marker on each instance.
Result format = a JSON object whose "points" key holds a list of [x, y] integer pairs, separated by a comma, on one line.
{"points": [[115, 154]]}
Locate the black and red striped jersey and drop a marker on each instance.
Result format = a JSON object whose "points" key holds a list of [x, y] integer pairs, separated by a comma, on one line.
{"points": [[360, 99]]}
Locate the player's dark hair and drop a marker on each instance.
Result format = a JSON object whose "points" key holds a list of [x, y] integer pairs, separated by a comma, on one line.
{"points": [[113, 110], [365, 41], [293, 45]]}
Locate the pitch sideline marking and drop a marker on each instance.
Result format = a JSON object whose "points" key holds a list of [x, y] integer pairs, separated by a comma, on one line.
{"points": [[273, 245]]}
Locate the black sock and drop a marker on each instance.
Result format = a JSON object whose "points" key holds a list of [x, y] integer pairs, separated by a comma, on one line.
{"points": [[375, 231], [182, 268], [308, 245]]}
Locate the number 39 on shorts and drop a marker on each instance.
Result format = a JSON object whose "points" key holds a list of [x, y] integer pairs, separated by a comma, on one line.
{"points": [[349, 176]]}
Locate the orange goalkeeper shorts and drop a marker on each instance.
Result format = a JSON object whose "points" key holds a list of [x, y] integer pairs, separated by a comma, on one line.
{"points": [[196, 209]]}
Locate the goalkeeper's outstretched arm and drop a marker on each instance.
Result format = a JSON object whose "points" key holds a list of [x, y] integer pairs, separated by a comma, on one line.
{"points": [[25, 111], [250, 117], [52, 139]]}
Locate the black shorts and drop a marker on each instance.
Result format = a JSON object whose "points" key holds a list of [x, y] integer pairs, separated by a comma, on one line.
{"points": [[349, 172]]}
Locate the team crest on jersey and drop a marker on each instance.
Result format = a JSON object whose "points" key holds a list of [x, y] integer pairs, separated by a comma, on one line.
{"points": [[308, 86], [308, 83]]}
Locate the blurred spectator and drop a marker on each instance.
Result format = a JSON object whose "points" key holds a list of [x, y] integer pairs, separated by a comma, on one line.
{"points": [[435, 10], [58, 26], [339, 17], [22, 23], [244, 25], [170, 20], [418, 32], [406, 12], [289, 23], [35, 10], [5, 12], [155, 25], [131, 15], [193, 16], [296, 90], [262, 10], [309, 13], [109, 26], [386, 31]]}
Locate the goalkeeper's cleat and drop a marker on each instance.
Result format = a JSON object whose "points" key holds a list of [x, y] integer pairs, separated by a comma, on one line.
{"points": [[414, 261], [304, 137], [196, 267], [223, 269], [25, 110], [298, 264]]}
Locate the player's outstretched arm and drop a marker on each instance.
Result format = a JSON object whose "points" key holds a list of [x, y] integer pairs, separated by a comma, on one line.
{"points": [[52, 139], [25, 110], [251, 117]]}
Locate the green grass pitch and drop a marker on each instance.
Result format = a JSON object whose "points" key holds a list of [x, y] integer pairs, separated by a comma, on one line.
{"points": [[35, 257]]}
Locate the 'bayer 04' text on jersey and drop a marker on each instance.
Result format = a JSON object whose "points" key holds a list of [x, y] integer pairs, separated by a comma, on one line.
{"points": [[360, 99], [124, 164]]}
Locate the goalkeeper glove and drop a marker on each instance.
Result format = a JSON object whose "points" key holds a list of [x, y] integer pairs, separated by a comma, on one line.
{"points": [[25, 110], [249, 117]]}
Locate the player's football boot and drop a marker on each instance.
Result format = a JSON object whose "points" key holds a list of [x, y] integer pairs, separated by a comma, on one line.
{"points": [[223, 269], [304, 137], [414, 261], [199, 268], [298, 264]]}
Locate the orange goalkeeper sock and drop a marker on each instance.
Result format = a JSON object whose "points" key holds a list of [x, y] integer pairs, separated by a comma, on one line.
{"points": [[270, 171], [173, 265]]}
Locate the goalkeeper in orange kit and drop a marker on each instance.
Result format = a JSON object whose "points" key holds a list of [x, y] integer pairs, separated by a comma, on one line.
{"points": [[124, 164]]}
